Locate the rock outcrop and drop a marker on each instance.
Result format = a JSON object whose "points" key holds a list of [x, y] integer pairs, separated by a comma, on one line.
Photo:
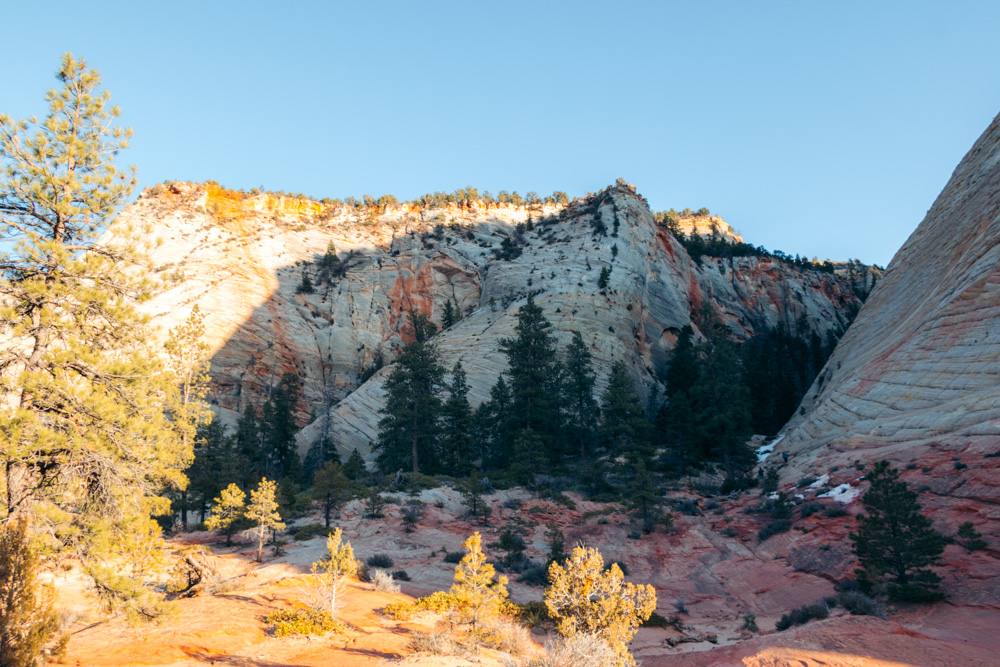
{"points": [[916, 378], [242, 259]]}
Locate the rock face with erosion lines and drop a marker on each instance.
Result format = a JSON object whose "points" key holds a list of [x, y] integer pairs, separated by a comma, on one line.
{"points": [[242, 259]]}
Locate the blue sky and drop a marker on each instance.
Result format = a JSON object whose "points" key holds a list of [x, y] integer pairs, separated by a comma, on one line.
{"points": [[824, 129]]}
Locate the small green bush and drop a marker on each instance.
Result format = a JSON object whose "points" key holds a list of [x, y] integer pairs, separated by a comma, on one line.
{"points": [[289, 622], [656, 621], [802, 615], [773, 528], [750, 622], [309, 531], [379, 560], [400, 575], [454, 556], [810, 508], [834, 511], [859, 604]]}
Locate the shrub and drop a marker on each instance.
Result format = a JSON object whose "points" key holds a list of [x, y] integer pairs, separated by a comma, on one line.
{"points": [[311, 530], [400, 575], [802, 615], [773, 528], [536, 575], [453, 556], [834, 511], [303, 622], [400, 611], [808, 509], [439, 601], [970, 538], [511, 638], [750, 622], [533, 613], [728, 531], [435, 643], [379, 560], [384, 582], [581, 650], [805, 481], [860, 604], [656, 621]]}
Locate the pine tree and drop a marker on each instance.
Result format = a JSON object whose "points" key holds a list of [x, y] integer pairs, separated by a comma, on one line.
{"points": [[305, 285], [895, 542], [28, 623], [450, 315], [479, 596], [682, 370], [584, 598], [644, 499], [228, 510], [249, 444], [578, 395], [330, 489], [409, 428], [84, 438], [457, 445], [602, 280], [262, 513], [492, 421], [355, 466], [188, 357], [331, 572], [625, 431], [721, 404], [533, 375], [279, 428], [215, 460]]}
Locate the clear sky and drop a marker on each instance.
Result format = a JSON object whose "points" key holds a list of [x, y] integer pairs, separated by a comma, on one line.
{"points": [[820, 128]]}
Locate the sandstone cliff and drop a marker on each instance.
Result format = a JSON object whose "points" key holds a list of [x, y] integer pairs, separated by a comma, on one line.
{"points": [[242, 258]]}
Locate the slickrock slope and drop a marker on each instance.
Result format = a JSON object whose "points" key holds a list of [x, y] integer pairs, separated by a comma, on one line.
{"points": [[241, 258], [916, 377]]}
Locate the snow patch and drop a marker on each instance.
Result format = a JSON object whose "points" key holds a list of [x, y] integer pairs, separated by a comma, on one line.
{"points": [[765, 450], [821, 481], [845, 493]]}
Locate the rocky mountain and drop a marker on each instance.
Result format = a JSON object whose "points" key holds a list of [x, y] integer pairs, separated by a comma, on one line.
{"points": [[915, 379], [242, 259]]}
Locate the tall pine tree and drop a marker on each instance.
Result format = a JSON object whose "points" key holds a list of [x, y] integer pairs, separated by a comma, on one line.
{"points": [[578, 395], [409, 430], [895, 542], [457, 442]]}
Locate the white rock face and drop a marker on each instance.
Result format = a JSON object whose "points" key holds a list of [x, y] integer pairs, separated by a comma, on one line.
{"points": [[242, 259], [921, 365]]}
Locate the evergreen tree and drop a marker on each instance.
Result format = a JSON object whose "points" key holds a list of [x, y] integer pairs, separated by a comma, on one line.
{"points": [[278, 421], [330, 489], [215, 460], [644, 498], [578, 395], [457, 442], [226, 514], [492, 421], [533, 376], [187, 357], [249, 445], [28, 623], [305, 285], [602, 280], [682, 370], [895, 542], [625, 431], [355, 466], [721, 405], [84, 437], [479, 596], [409, 428], [262, 513], [450, 315]]}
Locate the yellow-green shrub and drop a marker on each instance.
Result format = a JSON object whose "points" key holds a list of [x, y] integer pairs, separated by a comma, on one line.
{"points": [[303, 622]]}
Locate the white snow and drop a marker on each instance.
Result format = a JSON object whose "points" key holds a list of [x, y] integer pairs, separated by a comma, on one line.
{"points": [[765, 450], [845, 493], [820, 482]]}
